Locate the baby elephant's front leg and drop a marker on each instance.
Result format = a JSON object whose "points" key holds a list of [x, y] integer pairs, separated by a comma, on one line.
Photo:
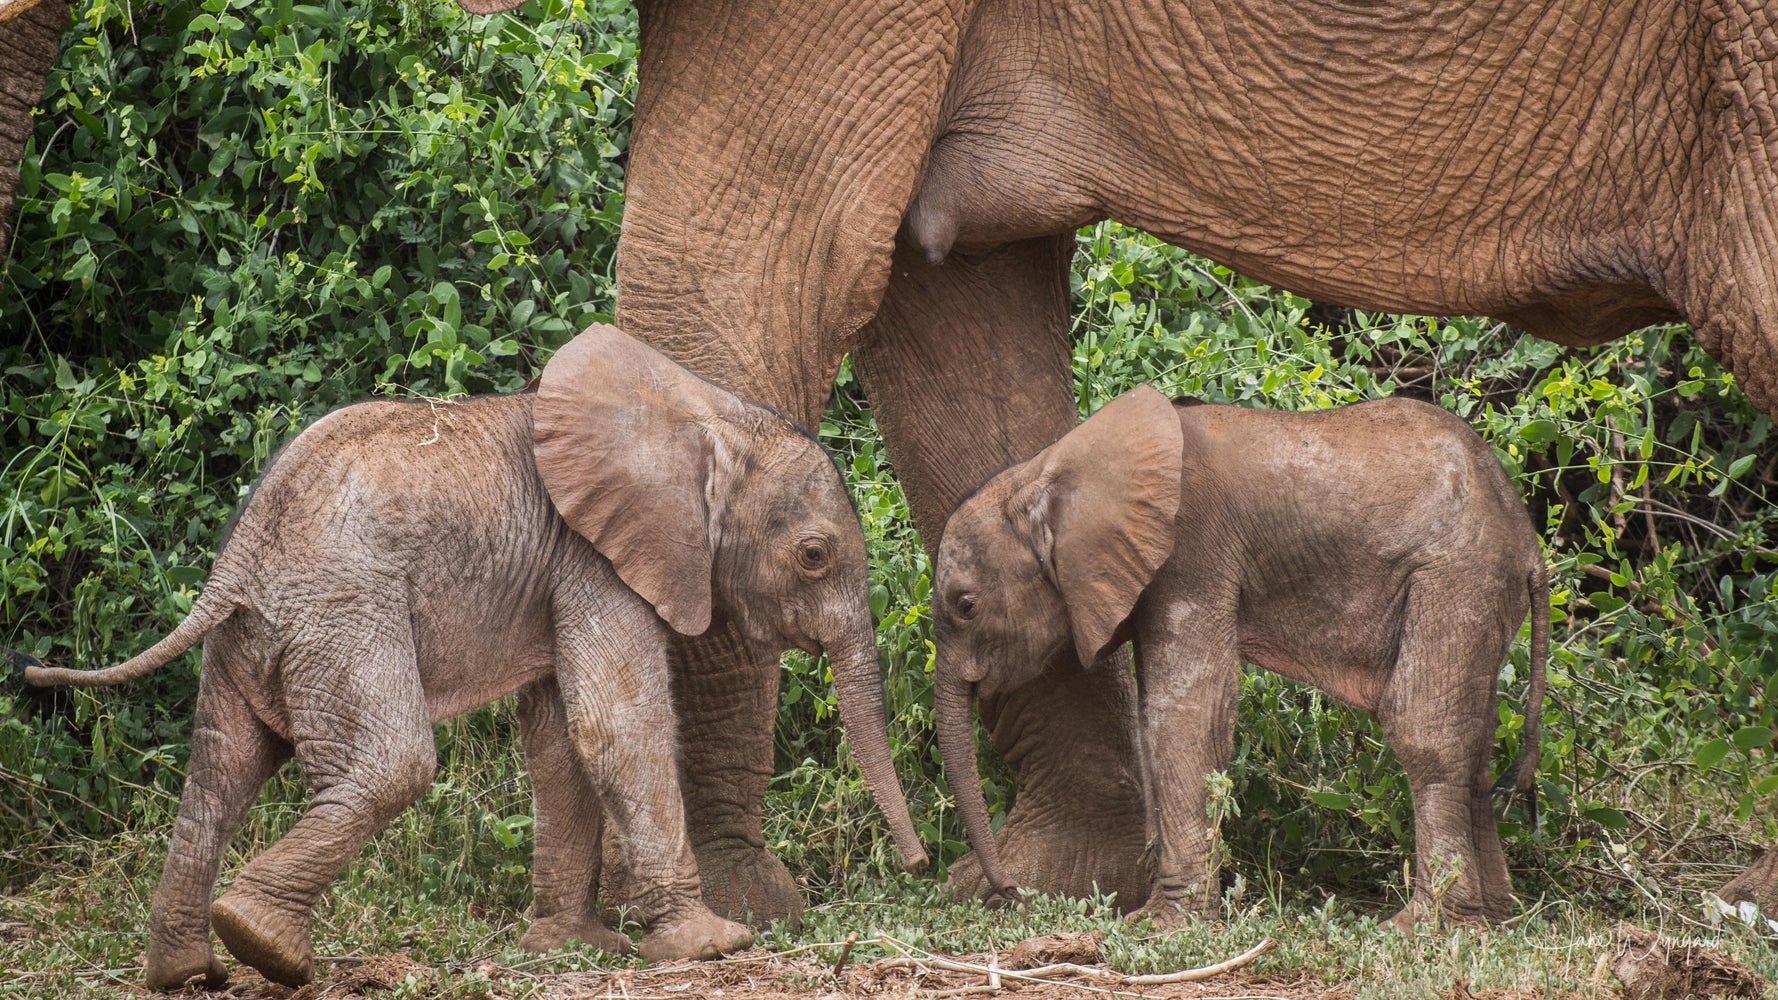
{"points": [[1187, 693], [620, 718]]}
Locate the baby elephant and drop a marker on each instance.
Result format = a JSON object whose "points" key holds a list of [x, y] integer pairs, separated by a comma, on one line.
{"points": [[1377, 552], [400, 563]]}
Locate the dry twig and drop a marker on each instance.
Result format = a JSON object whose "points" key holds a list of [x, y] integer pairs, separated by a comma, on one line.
{"points": [[1054, 973]]}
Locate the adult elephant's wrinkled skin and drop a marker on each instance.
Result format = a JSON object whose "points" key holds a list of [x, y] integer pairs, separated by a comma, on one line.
{"points": [[28, 33]]}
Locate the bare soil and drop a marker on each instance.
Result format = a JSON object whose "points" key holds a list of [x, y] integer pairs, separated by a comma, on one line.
{"points": [[763, 975]]}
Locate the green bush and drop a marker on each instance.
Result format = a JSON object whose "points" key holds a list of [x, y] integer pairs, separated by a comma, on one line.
{"points": [[235, 216]]}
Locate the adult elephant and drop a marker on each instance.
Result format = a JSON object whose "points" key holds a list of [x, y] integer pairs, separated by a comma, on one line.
{"points": [[28, 33], [1578, 168]]}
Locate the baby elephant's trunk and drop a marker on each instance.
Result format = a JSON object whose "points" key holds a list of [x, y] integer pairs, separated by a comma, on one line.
{"points": [[858, 686], [953, 703]]}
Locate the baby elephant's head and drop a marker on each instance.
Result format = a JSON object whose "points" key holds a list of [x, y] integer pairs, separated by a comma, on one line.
{"points": [[715, 509], [1044, 563]]}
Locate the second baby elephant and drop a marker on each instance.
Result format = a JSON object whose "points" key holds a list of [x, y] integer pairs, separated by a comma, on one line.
{"points": [[400, 563], [1378, 552]]}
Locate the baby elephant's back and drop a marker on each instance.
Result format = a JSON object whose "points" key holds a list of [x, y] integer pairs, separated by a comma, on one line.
{"points": [[431, 501], [1394, 476], [1342, 518]]}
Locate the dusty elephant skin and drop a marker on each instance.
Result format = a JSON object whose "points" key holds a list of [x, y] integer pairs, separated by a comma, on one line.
{"points": [[29, 30], [1575, 167], [1377, 551], [400, 563]]}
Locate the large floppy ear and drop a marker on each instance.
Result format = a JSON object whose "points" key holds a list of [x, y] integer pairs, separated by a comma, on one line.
{"points": [[629, 447], [1099, 509]]}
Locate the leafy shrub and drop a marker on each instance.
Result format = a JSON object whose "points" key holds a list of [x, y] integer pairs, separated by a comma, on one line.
{"points": [[233, 217]]}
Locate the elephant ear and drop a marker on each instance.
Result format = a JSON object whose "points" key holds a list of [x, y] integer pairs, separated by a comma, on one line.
{"points": [[628, 445], [1099, 511]]}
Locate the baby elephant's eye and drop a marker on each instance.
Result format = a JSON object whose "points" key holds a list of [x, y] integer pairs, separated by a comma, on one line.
{"points": [[813, 555], [965, 606]]}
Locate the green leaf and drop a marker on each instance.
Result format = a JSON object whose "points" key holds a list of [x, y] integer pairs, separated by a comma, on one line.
{"points": [[1751, 737], [1538, 432], [1331, 800], [1607, 817], [1708, 755]]}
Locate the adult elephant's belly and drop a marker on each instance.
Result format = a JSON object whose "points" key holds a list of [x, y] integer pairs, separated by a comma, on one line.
{"points": [[1433, 167]]}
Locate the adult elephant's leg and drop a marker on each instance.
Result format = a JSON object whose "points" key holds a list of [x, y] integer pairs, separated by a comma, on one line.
{"points": [[567, 825], [27, 48], [967, 369], [728, 696], [1757, 885], [726, 700]]}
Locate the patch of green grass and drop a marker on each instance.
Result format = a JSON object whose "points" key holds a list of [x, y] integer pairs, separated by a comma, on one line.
{"points": [[78, 930]]}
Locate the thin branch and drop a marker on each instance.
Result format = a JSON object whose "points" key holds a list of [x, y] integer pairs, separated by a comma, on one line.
{"points": [[1052, 973]]}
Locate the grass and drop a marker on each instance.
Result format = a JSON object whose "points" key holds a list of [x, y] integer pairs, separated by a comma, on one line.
{"points": [[86, 922], [447, 885]]}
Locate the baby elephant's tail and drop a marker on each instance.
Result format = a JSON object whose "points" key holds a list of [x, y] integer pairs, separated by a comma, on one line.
{"points": [[206, 614], [1521, 778]]}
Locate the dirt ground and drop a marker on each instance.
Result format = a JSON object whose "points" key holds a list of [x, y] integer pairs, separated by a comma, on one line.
{"points": [[762, 975], [758, 975], [1639, 965]]}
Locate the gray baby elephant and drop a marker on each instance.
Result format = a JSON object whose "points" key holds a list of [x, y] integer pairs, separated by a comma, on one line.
{"points": [[1378, 552], [400, 563]]}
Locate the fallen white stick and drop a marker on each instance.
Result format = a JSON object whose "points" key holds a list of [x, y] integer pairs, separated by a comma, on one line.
{"points": [[1158, 979], [1050, 973]]}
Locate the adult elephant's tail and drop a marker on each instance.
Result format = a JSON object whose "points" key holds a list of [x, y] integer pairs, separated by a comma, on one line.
{"points": [[1521, 778], [211, 610]]}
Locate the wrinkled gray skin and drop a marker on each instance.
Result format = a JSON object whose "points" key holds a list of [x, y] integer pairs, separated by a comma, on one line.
{"points": [[1376, 551], [401, 563], [29, 30]]}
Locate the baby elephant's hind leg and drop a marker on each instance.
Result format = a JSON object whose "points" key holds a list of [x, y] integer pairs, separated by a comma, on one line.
{"points": [[1437, 712], [364, 740], [232, 755]]}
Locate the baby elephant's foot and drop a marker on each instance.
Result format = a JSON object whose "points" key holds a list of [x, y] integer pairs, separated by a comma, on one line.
{"points": [[270, 938], [561, 930], [700, 934], [169, 969]]}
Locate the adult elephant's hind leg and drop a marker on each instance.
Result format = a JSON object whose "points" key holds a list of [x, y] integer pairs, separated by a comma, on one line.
{"points": [[1757, 885], [967, 369], [232, 755], [565, 859]]}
